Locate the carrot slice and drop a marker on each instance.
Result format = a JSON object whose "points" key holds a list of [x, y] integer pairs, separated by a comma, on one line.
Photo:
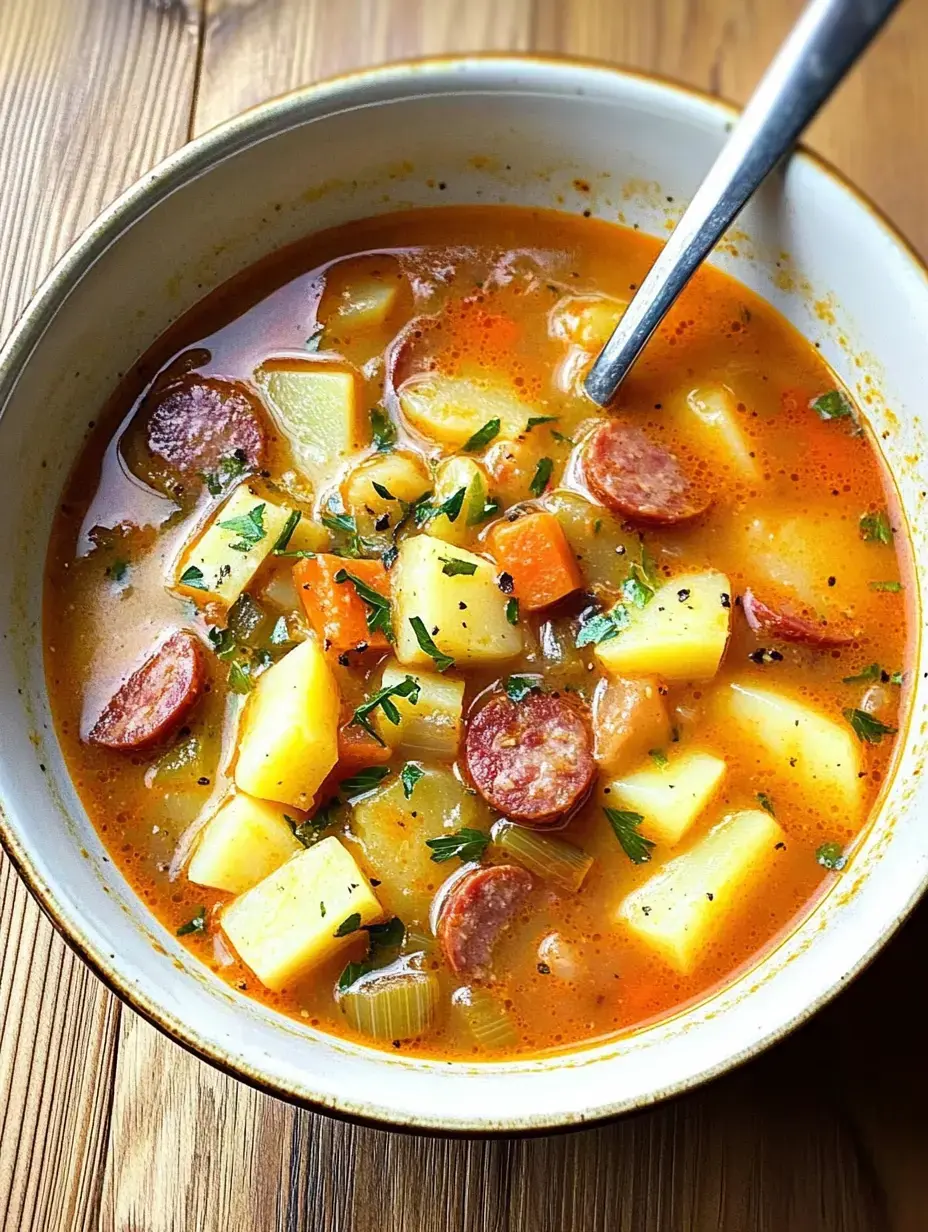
{"points": [[335, 609], [535, 552]]}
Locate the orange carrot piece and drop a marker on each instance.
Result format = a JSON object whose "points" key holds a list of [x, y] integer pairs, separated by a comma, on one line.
{"points": [[335, 609], [535, 551]]}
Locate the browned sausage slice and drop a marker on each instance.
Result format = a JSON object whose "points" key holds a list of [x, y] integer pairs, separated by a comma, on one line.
{"points": [[784, 627], [476, 911], [638, 479], [199, 421], [156, 698], [533, 759]]}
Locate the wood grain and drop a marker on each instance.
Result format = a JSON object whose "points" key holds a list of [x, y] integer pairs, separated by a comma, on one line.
{"points": [[104, 1124], [91, 93]]}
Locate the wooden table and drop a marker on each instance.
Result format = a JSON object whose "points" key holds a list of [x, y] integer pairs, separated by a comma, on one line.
{"points": [[104, 1123]]}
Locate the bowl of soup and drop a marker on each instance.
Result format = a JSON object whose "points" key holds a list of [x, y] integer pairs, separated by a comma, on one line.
{"points": [[388, 723]]}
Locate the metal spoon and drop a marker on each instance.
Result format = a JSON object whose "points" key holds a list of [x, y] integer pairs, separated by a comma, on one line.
{"points": [[821, 47]]}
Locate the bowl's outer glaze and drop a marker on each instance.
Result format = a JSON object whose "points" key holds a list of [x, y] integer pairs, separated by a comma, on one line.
{"points": [[542, 132]]}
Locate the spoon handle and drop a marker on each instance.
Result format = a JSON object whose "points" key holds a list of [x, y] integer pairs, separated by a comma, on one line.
{"points": [[827, 39]]}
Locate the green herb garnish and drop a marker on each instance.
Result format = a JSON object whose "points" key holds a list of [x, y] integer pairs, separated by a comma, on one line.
{"points": [[363, 781], [379, 614], [455, 566], [659, 757], [195, 925], [240, 680], [249, 525], [519, 687], [466, 844], [352, 973], [424, 512], [868, 728], [833, 405], [441, 660], [536, 420], [865, 676], [602, 627], [409, 777], [482, 436], [765, 803], [542, 475], [636, 592], [875, 527], [565, 440], [481, 515], [223, 643], [512, 611], [892, 588], [348, 541], [193, 577], [311, 830], [314, 341], [625, 826], [383, 430], [286, 534], [408, 689], [229, 469], [349, 925], [831, 856], [118, 570], [387, 936]]}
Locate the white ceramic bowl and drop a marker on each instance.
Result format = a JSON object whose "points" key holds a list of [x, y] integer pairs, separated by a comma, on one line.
{"points": [[489, 130]]}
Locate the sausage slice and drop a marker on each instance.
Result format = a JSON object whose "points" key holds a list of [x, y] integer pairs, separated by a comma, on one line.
{"points": [[199, 421], [784, 627], [637, 479], [156, 698], [533, 759], [476, 911]]}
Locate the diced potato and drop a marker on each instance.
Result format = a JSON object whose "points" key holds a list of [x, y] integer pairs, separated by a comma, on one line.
{"points": [[716, 412], [511, 466], [403, 475], [683, 907], [308, 536], [244, 842], [288, 923], [599, 541], [586, 320], [364, 304], [629, 718], [392, 832], [820, 756], [465, 615], [317, 406], [671, 797], [220, 563], [452, 475], [433, 725], [289, 739], [680, 635], [451, 409]]}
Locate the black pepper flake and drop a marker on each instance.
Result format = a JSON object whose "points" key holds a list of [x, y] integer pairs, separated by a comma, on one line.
{"points": [[765, 655], [361, 647], [203, 781], [383, 522], [506, 583], [726, 600], [832, 581], [343, 658], [375, 882], [710, 896], [683, 595], [779, 847], [544, 969]]}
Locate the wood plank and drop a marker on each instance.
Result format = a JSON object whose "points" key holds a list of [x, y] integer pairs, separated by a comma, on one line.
{"points": [[91, 93]]}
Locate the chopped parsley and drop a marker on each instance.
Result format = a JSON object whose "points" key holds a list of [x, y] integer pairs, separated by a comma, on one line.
{"points": [[441, 660], [455, 567], [519, 687], [311, 830], [833, 405], [466, 844], [229, 469], [383, 430], [542, 475], [363, 781], [240, 680], [875, 527], [602, 626], [636, 592], [867, 727], [482, 436], [409, 777], [831, 856], [424, 511], [286, 534], [118, 571], [659, 757], [349, 925], [512, 611], [475, 517], [382, 492], [195, 925], [625, 826], [408, 689], [249, 525], [379, 614], [383, 941], [564, 440], [223, 642], [892, 588], [348, 542], [536, 420], [193, 577], [765, 803], [866, 675]]}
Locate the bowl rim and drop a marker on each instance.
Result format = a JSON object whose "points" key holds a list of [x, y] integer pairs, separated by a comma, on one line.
{"points": [[223, 140]]}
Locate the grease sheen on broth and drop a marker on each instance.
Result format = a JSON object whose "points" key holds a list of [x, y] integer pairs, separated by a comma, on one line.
{"points": [[748, 567]]}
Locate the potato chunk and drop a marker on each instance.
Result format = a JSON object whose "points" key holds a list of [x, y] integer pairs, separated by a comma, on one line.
{"points": [[451, 476], [241, 844], [816, 755], [451, 409], [586, 320], [715, 411], [684, 905], [671, 797], [289, 739], [465, 614], [364, 304], [433, 725], [220, 562], [318, 408], [392, 832], [680, 635], [402, 475], [289, 922]]}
